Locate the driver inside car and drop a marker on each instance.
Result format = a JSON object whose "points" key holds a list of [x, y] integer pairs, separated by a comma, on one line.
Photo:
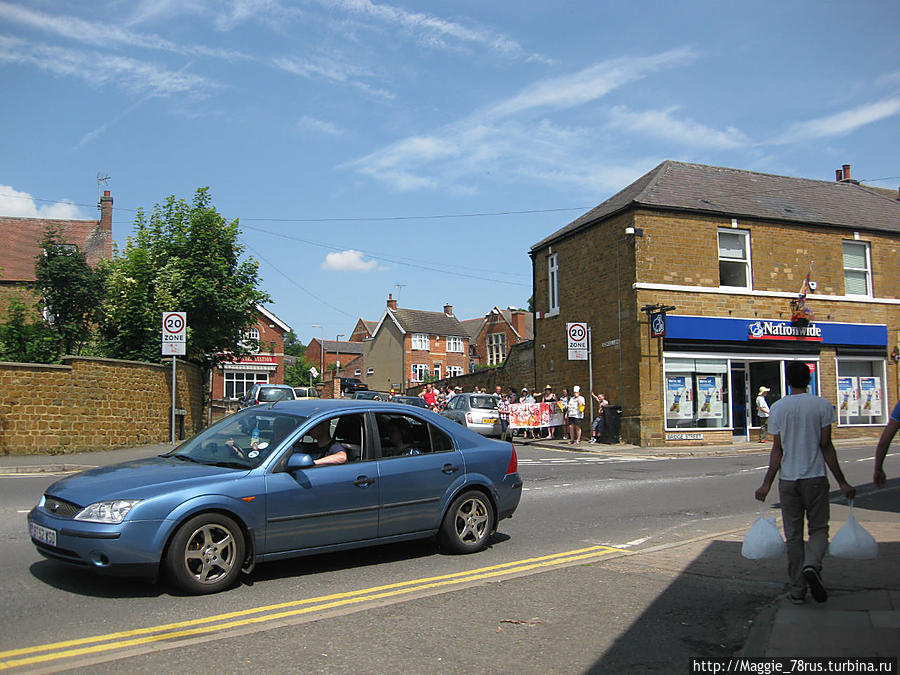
{"points": [[331, 451]]}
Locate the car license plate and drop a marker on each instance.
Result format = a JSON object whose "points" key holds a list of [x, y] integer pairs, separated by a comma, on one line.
{"points": [[489, 420], [43, 534]]}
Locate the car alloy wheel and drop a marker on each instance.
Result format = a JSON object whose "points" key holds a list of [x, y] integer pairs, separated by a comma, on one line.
{"points": [[468, 523], [206, 554]]}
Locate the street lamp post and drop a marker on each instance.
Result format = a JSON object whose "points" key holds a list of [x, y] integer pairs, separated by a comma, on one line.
{"points": [[321, 350], [337, 365]]}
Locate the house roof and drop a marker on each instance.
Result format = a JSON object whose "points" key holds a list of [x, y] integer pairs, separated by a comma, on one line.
{"points": [[274, 319], [738, 193], [20, 243], [472, 326], [420, 321], [528, 333]]}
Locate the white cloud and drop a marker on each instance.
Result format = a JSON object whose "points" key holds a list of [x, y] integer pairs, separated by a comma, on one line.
{"points": [[98, 69], [842, 123], [330, 69], [22, 205], [509, 138], [348, 261], [662, 124], [307, 123]]}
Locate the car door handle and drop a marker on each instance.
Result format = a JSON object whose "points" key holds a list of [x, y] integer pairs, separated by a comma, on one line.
{"points": [[450, 468], [363, 481]]}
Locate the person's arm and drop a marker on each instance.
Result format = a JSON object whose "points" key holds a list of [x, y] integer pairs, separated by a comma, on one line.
{"points": [[334, 458], [831, 460], [775, 457], [887, 435]]}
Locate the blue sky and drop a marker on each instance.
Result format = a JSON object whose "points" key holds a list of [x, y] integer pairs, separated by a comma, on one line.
{"points": [[421, 148]]}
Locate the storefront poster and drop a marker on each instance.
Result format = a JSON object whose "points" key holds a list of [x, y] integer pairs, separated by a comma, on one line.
{"points": [[848, 397], [709, 396], [870, 396], [679, 397], [534, 415]]}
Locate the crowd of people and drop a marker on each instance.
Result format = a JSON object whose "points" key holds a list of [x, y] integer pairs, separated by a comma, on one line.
{"points": [[571, 406]]}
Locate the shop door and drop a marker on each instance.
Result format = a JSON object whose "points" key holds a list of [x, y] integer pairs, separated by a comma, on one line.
{"points": [[739, 399]]}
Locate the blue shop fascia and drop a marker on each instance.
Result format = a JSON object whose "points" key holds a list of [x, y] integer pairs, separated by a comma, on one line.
{"points": [[715, 368]]}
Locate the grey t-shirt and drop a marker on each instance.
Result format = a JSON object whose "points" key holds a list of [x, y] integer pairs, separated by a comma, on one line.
{"points": [[799, 419]]}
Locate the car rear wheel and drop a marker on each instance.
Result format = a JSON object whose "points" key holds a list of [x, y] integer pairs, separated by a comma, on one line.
{"points": [[206, 554], [468, 523]]}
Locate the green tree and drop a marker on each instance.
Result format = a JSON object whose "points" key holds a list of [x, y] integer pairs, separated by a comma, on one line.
{"points": [[184, 257], [71, 290], [297, 374], [293, 346], [27, 342]]}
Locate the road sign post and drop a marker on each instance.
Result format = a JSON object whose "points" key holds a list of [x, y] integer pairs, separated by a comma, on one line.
{"points": [[578, 339], [174, 343]]}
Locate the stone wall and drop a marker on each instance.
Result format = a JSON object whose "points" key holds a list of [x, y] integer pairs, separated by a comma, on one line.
{"points": [[94, 404]]}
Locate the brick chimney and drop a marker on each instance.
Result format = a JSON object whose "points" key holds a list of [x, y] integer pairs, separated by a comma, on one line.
{"points": [[517, 319], [846, 171], [448, 310], [838, 175], [391, 303], [106, 203]]}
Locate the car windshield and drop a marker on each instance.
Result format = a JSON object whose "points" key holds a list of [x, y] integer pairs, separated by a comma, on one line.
{"points": [[240, 441], [484, 402], [275, 394]]}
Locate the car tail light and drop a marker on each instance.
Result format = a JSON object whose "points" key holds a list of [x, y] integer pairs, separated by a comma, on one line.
{"points": [[469, 418], [513, 462]]}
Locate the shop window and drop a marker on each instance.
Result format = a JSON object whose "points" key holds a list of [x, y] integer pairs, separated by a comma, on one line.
{"points": [[734, 258], [237, 383], [553, 283], [861, 392], [696, 394], [857, 276]]}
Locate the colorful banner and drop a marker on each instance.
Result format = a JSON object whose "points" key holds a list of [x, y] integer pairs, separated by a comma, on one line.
{"points": [[848, 397], [870, 396], [679, 397], [709, 395], [534, 415]]}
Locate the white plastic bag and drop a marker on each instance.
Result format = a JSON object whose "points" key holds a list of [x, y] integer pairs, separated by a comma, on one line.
{"points": [[852, 541], [764, 539]]}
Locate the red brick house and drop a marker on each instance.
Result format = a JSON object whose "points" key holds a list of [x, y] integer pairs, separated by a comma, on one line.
{"points": [[363, 330], [20, 244], [498, 332], [325, 353], [231, 379]]}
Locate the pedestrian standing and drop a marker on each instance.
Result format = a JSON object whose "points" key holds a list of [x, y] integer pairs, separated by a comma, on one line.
{"points": [[564, 406], [598, 426], [576, 414], [762, 411], [503, 408], [890, 429], [430, 396], [550, 397], [801, 449]]}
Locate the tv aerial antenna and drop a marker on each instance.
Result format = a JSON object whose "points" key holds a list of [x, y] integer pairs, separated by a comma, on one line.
{"points": [[102, 179], [400, 287]]}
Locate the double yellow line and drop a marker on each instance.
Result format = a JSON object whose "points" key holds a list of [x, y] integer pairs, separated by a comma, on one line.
{"points": [[98, 644]]}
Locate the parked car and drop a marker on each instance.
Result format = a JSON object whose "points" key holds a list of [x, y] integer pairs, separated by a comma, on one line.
{"points": [[477, 412], [247, 490], [369, 395], [352, 384], [411, 400], [306, 392], [267, 393]]}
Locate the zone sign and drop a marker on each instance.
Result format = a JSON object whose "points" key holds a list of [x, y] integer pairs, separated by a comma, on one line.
{"points": [[577, 335], [174, 327]]}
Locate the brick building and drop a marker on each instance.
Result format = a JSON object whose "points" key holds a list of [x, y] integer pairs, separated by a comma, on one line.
{"points": [[327, 355], [363, 330], [20, 244], [232, 378], [497, 333], [728, 250], [409, 345]]}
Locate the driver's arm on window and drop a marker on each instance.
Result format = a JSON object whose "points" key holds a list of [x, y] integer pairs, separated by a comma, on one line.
{"points": [[335, 458]]}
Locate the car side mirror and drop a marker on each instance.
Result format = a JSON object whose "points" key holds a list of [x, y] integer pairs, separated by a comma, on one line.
{"points": [[299, 460]]}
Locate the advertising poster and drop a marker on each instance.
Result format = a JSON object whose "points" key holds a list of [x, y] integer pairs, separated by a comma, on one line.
{"points": [[679, 397], [709, 397], [870, 396], [533, 415], [848, 397]]}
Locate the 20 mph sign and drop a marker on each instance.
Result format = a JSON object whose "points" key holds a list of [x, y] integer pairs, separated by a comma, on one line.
{"points": [[577, 339], [174, 333]]}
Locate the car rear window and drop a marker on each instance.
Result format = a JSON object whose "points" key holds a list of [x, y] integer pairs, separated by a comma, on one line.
{"points": [[275, 394], [484, 402]]}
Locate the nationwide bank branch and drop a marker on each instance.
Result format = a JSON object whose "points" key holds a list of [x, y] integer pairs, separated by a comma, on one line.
{"points": [[714, 369]]}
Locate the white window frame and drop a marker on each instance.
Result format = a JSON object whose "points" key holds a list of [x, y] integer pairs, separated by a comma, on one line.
{"points": [[437, 371], [745, 234], [370, 371], [419, 371], [454, 344], [247, 378], [496, 348], [357, 372], [553, 283], [454, 371], [251, 334], [867, 269], [420, 341]]}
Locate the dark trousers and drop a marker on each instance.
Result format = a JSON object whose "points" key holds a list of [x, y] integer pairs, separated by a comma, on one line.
{"points": [[806, 498]]}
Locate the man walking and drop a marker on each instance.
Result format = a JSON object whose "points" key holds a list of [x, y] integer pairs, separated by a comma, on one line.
{"points": [[801, 449], [762, 411]]}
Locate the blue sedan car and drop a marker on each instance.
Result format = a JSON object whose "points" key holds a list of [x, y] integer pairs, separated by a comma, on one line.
{"points": [[280, 480]]}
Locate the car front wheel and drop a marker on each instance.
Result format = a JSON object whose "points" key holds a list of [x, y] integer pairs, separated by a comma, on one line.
{"points": [[206, 554], [468, 523]]}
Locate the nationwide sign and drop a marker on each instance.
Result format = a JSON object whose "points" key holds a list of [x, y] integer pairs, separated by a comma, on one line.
{"points": [[783, 330]]}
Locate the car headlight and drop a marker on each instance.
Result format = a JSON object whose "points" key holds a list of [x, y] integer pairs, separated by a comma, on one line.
{"points": [[113, 511]]}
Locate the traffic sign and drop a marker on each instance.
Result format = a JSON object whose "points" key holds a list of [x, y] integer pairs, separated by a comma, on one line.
{"points": [[174, 333], [577, 340]]}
